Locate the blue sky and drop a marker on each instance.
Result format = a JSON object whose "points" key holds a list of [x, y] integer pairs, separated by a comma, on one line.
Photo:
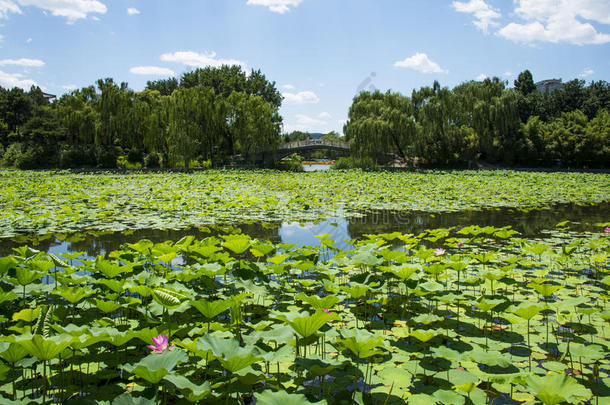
{"points": [[319, 52]]}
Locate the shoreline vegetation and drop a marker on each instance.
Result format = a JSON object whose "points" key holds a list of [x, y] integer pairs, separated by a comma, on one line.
{"points": [[218, 117]]}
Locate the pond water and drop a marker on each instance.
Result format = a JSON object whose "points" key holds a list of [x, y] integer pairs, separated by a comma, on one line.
{"points": [[316, 167], [529, 223]]}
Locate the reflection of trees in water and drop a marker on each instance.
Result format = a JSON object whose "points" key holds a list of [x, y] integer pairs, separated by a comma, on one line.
{"points": [[96, 243], [530, 223]]}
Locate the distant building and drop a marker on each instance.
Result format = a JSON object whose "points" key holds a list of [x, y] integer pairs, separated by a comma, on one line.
{"points": [[548, 86], [48, 96]]}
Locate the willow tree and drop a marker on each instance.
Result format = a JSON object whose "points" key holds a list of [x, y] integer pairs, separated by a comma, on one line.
{"points": [[253, 125], [380, 124]]}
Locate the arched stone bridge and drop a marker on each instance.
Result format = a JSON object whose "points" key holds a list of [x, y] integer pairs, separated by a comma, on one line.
{"points": [[311, 144]]}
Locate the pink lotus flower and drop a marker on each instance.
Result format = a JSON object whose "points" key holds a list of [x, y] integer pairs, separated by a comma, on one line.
{"points": [[440, 252], [607, 229], [326, 310], [460, 244], [161, 344]]}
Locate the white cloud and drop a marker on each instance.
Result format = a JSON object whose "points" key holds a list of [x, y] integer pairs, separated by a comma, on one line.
{"points": [[151, 71], [306, 123], [303, 97], [70, 9], [69, 87], [29, 40], [559, 21], [587, 72], [324, 115], [507, 74], [8, 6], [421, 63], [10, 80], [194, 59], [25, 62], [277, 6], [288, 87], [133, 11], [481, 77], [485, 15]]}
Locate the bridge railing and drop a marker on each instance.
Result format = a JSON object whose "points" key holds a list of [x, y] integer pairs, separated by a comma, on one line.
{"points": [[314, 142]]}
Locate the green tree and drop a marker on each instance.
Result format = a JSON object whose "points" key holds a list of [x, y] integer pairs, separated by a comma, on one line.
{"points": [[525, 83]]}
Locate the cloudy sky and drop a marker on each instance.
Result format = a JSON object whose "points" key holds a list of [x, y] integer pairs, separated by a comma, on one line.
{"points": [[319, 52]]}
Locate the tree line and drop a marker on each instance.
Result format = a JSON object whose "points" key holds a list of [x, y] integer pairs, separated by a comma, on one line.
{"points": [[208, 115], [485, 121]]}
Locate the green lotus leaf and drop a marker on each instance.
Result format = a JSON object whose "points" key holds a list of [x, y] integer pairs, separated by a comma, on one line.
{"points": [[74, 294], [283, 398], [490, 358], [12, 352], [192, 392], [143, 246], [527, 310], [554, 389], [404, 272], [421, 399], [168, 298], [307, 325], [319, 302], [400, 378], [592, 353], [210, 309], [7, 296], [424, 335], [109, 269], [279, 258], [537, 249], [27, 315], [128, 399], [361, 342], [6, 263], [114, 285], [356, 290], [487, 305], [238, 245], [107, 306], [546, 290], [27, 276], [154, 367], [231, 355], [447, 397], [427, 319], [261, 249], [431, 286], [449, 354], [44, 349], [57, 261]]}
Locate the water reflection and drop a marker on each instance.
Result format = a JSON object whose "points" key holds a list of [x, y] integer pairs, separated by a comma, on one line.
{"points": [[316, 167], [532, 223]]}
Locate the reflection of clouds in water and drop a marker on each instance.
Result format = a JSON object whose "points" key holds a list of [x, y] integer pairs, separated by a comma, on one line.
{"points": [[305, 234]]}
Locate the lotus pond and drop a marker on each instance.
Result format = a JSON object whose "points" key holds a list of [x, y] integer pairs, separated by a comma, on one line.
{"points": [[447, 305], [45, 203]]}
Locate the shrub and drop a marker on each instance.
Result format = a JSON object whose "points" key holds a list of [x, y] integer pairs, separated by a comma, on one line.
{"points": [[33, 157], [135, 156], [152, 160], [77, 157], [346, 163], [293, 163], [11, 154], [107, 157]]}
